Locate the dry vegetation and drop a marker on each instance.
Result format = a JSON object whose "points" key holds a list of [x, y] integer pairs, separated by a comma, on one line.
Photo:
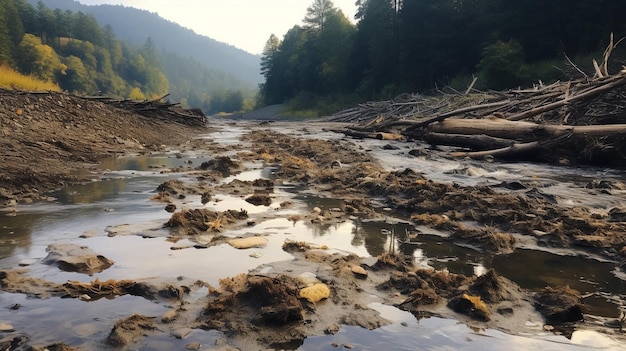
{"points": [[10, 79]]}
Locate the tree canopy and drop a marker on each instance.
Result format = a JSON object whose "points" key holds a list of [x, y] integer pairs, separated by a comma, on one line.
{"points": [[418, 45], [72, 50]]}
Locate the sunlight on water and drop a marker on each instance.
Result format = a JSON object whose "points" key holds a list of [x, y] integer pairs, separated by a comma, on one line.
{"points": [[408, 333], [140, 249]]}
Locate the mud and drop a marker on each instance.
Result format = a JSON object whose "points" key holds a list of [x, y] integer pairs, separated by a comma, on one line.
{"points": [[267, 308], [47, 138]]}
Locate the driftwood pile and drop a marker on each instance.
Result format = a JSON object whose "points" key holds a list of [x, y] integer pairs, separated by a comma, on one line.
{"points": [[579, 121], [157, 108]]}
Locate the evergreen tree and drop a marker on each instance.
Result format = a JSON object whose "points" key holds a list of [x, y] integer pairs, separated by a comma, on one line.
{"points": [[318, 13]]}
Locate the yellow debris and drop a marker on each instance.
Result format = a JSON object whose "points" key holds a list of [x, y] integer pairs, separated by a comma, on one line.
{"points": [[315, 293], [477, 302]]}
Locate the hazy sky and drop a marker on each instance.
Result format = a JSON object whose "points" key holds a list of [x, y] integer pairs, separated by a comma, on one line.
{"points": [[246, 24]]}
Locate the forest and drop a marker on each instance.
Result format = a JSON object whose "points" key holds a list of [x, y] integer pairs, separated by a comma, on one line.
{"points": [[399, 46], [71, 50]]}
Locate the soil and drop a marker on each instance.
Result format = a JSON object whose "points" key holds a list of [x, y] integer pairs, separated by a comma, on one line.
{"points": [[47, 138]]}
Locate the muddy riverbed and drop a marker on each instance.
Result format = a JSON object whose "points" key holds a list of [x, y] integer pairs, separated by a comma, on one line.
{"points": [[289, 236]]}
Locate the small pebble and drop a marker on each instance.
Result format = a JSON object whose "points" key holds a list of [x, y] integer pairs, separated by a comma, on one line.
{"points": [[6, 327], [193, 346], [181, 333]]}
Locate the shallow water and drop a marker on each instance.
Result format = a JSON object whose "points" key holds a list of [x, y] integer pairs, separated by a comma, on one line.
{"points": [[120, 204]]}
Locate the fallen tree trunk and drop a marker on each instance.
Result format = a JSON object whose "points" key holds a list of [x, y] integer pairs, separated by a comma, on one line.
{"points": [[474, 142], [368, 135], [502, 152], [521, 131]]}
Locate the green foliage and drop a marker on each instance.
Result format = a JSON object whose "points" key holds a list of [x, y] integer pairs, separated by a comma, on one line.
{"points": [[76, 76], [419, 45], [198, 84], [71, 49], [38, 59], [501, 65], [312, 59], [225, 101], [318, 13]]}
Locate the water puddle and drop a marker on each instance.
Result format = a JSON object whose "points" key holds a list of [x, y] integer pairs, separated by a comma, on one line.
{"points": [[72, 320], [408, 333]]}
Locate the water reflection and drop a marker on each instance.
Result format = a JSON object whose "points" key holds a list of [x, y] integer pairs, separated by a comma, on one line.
{"points": [[15, 234], [126, 194], [444, 334], [78, 323]]}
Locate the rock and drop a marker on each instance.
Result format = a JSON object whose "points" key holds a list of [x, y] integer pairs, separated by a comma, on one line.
{"points": [[169, 316], [247, 243], [193, 346], [259, 199], [88, 234], [26, 262], [181, 333], [75, 258], [129, 330], [315, 293], [171, 208], [4, 327], [359, 272]]}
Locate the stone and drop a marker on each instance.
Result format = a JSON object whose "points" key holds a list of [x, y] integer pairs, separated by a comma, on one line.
{"points": [[359, 272], [247, 243], [75, 258], [182, 333], [168, 316]]}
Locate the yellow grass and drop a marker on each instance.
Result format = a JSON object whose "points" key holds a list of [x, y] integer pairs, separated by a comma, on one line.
{"points": [[10, 79]]}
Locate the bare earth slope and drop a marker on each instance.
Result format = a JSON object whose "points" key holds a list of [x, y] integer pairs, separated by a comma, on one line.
{"points": [[46, 137]]}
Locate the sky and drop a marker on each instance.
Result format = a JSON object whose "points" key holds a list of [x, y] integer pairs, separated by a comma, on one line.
{"points": [[245, 24]]}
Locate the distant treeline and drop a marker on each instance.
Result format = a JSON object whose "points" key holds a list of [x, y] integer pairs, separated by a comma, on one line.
{"points": [[418, 45], [73, 51]]}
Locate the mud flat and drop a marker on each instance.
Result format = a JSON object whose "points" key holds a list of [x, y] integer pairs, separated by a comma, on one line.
{"points": [[321, 289]]}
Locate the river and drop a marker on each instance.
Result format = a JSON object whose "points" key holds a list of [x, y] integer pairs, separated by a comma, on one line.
{"points": [[94, 215]]}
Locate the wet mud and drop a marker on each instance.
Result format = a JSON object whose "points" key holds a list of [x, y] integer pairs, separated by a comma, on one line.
{"points": [[279, 305]]}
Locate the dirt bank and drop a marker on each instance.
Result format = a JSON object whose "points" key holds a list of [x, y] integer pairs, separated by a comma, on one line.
{"points": [[45, 138]]}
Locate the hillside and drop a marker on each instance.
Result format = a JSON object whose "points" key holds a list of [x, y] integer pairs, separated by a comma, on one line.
{"points": [[135, 26]]}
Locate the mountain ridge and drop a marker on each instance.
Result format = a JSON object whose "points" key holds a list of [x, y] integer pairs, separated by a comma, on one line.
{"points": [[136, 25]]}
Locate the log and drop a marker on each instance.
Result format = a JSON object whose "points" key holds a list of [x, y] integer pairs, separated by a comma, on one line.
{"points": [[359, 135], [494, 127], [474, 142], [519, 130], [502, 152], [367, 135], [388, 136]]}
